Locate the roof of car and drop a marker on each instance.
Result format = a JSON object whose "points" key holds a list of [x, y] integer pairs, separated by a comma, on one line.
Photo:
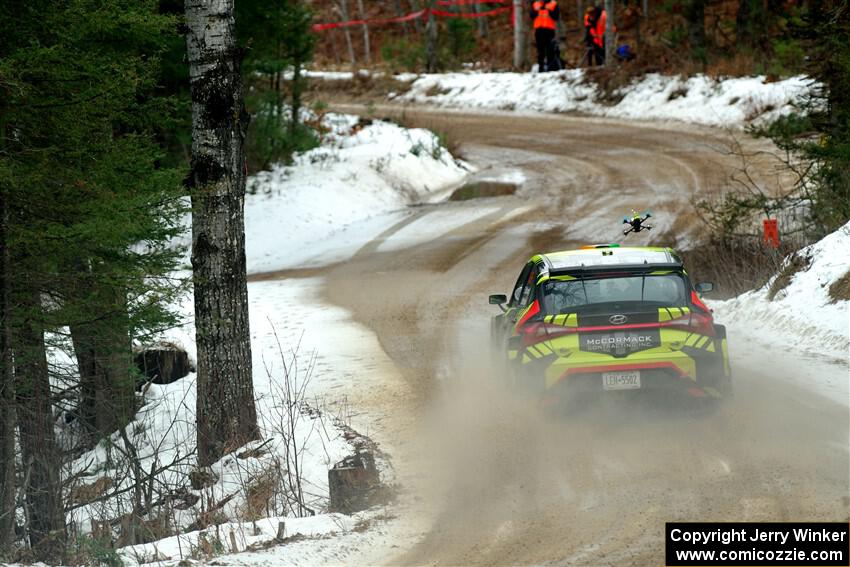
{"points": [[604, 255]]}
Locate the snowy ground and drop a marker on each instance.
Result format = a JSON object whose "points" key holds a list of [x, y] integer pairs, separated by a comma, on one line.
{"points": [[731, 102], [802, 323], [326, 373]]}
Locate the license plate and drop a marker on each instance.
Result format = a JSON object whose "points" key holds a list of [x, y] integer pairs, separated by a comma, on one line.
{"points": [[621, 380]]}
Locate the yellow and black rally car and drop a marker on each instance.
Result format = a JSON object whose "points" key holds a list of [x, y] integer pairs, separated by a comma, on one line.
{"points": [[607, 318]]}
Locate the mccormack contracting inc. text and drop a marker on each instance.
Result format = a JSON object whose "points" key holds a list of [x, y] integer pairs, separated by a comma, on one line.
{"points": [[813, 544]]}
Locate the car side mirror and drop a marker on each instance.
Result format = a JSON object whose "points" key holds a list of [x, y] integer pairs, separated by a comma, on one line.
{"points": [[498, 299], [704, 287]]}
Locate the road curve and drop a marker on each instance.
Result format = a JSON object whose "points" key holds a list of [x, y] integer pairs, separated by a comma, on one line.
{"points": [[490, 480]]}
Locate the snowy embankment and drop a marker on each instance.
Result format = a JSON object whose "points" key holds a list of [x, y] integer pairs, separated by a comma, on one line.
{"points": [[730, 102], [802, 322], [306, 356], [363, 171]]}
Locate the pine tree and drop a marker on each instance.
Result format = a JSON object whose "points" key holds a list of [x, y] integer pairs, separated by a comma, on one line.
{"points": [[278, 39], [90, 213], [821, 133]]}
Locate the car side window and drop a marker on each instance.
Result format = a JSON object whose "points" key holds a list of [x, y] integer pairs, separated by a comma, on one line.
{"points": [[517, 293], [525, 298]]}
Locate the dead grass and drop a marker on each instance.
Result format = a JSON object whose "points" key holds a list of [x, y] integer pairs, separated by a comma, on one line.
{"points": [[259, 492], [795, 264], [738, 65], [436, 90], [451, 142], [86, 493], [361, 87], [735, 266], [840, 289], [448, 137]]}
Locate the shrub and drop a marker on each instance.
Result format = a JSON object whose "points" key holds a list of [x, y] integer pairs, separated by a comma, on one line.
{"points": [[403, 55]]}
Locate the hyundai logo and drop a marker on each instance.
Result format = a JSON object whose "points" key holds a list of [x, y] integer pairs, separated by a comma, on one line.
{"points": [[618, 319]]}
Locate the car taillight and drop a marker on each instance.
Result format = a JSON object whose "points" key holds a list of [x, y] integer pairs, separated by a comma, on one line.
{"points": [[698, 302], [701, 320], [693, 322], [538, 332], [701, 323]]}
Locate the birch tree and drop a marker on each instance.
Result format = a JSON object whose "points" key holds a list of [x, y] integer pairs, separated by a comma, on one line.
{"points": [[342, 5], [367, 56], [520, 51], [226, 415]]}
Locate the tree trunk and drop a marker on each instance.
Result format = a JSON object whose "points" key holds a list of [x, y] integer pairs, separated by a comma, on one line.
{"points": [[8, 416], [751, 22], [399, 12], [334, 47], [115, 399], [226, 415], [431, 41], [297, 88], [742, 22], [520, 50], [482, 22], [695, 16], [40, 455], [84, 352], [343, 12], [367, 52], [104, 355], [417, 23], [610, 47]]}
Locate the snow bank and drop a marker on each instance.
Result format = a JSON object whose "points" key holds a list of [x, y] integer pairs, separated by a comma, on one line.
{"points": [[163, 430], [802, 318], [164, 435], [360, 172], [700, 99]]}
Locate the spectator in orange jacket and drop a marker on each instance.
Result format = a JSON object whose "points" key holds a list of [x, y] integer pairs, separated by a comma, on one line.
{"points": [[544, 19], [595, 21]]}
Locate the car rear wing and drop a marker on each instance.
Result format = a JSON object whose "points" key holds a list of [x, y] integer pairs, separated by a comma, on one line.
{"points": [[636, 269]]}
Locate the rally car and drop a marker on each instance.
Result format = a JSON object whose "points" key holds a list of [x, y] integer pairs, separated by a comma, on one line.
{"points": [[608, 318]]}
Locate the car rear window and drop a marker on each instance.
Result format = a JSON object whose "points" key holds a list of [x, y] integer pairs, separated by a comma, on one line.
{"points": [[568, 296]]}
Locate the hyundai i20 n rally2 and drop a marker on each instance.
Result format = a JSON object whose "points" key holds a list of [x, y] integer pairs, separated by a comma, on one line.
{"points": [[609, 318]]}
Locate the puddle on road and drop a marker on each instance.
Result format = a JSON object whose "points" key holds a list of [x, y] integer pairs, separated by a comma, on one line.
{"points": [[491, 182], [480, 189]]}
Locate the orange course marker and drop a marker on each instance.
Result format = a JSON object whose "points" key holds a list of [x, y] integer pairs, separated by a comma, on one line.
{"points": [[771, 232]]}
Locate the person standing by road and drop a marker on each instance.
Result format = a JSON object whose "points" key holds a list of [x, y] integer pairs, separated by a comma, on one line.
{"points": [[596, 23], [544, 19], [589, 23]]}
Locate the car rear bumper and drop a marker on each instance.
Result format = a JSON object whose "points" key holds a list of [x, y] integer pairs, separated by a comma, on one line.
{"points": [[676, 372]]}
